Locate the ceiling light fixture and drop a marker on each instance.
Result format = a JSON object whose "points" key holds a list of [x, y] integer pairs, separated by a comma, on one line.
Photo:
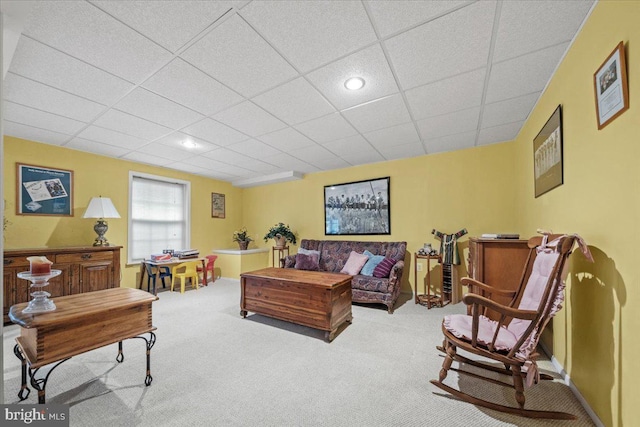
{"points": [[354, 83], [189, 144]]}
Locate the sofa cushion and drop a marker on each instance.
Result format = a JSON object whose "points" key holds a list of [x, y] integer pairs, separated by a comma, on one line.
{"points": [[369, 283], [373, 261], [384, 268], [354, 264], [307, 262]]}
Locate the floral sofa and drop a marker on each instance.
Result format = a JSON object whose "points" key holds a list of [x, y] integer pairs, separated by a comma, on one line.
{"points": [[365, 289]]}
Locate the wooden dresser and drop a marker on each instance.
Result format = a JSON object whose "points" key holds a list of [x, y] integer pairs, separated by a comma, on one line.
{"points": [[84, 269], [498, 263]]}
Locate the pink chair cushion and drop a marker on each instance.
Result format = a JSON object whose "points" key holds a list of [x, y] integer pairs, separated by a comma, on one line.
{"points": [[460, 326]]}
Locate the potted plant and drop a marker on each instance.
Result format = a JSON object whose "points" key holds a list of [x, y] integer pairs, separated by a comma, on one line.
{"points": [[242, 237], [282, 234]]}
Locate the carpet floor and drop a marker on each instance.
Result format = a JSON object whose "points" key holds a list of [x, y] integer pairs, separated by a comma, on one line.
{"points": [[211, 367]]}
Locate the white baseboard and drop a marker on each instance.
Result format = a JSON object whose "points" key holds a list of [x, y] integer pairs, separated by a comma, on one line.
{"points": [[567, 380]]}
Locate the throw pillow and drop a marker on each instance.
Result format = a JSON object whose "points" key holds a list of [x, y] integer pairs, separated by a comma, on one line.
{"points": [[306, 262], [374, 260], [354, 264], [383, 269], [308, 251]]}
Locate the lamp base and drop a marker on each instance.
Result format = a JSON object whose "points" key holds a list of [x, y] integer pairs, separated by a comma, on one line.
{"points": [[101, 228]]}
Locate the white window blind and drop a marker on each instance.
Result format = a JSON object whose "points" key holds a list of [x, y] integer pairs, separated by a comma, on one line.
{"points": [[159, 216]]}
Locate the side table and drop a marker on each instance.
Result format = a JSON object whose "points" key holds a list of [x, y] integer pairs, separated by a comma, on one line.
{"points": [[281, 254], [426, 298]]}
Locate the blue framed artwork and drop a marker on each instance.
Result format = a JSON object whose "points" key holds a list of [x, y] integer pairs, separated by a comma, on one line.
{"points": [[44, 191]]}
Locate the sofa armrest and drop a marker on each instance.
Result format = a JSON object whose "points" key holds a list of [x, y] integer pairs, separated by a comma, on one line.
{"points": [[288, 262], [396, 274]]}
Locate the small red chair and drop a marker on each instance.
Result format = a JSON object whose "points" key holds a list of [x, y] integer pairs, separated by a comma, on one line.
{"points": [[211, 260]]}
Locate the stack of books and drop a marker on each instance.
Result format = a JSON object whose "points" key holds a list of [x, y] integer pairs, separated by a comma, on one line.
{"points": [[187, 253], [500, 236]]}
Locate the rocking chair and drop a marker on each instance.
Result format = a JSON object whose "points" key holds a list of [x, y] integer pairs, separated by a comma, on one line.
{"points": [[513, 337]]}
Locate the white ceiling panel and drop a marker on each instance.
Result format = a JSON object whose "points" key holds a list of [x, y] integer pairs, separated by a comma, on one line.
{"points": [[288, 162], [192, 88], [312, 153], [41, 63], [165, 151], [234, 54], [453, 44], [85, 32], [260, 167], [41, 97], [509, 111], [392, 136], [331, 163], [402, 151], [443, 144], [502, 133], [369, 64], [311, 33], [382, 113], [349, 146], [224, 155], [107, 136], [214, 132], [286, 139], [363, 158], [40, 119], [157, 109], [294, 102], [249, 119], [448, 95], [97, 147], [327, 128], [254, 148], [34, 134], [131, 125], [149, 159], [449, 124]]}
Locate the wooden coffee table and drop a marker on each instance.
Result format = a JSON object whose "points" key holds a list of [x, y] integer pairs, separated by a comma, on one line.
{"points": [[310, 298]]}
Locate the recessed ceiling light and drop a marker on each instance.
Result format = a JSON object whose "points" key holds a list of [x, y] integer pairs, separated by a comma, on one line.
{"points": [[354, 83], [189, 144]]}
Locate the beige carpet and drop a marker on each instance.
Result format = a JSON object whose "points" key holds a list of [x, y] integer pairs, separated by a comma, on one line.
{"points": [[210, 367]]}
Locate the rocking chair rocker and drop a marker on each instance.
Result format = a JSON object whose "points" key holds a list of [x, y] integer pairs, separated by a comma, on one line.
{"points": [[512, 339]]}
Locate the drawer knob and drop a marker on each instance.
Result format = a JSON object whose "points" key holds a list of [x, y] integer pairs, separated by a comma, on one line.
{"points": [[86, 256], [8, 261]]}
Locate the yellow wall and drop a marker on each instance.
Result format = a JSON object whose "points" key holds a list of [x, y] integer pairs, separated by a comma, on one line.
{"points": [[599, 200], [97, 175]]}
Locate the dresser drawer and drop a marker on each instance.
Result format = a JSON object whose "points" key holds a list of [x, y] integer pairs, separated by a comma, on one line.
{"points": [[84, 257], [16, 262]]}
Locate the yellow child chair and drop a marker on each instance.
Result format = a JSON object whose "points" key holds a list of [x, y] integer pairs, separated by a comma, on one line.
{"points": [[190, 271]]}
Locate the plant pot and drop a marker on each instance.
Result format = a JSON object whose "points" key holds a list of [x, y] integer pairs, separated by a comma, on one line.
{"points": [[281, 242], [243, 244]]}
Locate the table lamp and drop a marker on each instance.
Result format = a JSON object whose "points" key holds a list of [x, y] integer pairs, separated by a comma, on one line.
{"points": [[101, 208]]}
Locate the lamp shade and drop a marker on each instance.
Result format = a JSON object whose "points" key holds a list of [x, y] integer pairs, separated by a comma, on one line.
{"points": [[101, 207]]}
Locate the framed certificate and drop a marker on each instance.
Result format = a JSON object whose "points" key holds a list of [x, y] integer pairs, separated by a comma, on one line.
{"points": [[44, 191], [611, 88]]}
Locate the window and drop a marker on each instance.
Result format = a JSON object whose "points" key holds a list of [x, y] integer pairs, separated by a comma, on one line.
{"points": [[159, 215]]}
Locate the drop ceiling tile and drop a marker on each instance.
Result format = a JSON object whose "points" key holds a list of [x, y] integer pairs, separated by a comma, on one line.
{"points": [[502, 133], [186, 85], [310, 34], [157, 109], [449, 124], [87, 33], [36, 95], [189, 168], [524, 74], [330, 164], [402, 151], [312, 154], [286, 139], [349, 146], [509, 111], [254, 148], [107, 136], [260, 167], [364, 158], [96, 147], [176, 140], [393, 16], [171, 24], [447, 95], [249, 119], [149, 159], [327, 128], [294, 102], [378, 114], [205, 162], [235, 55], [392, 136], [529, 26], [451, 142], [369, 64], [19, 130], [287, 162], [450, 45], [165, 151], [226, 156], [40, 119], [41, 63], [214, 132], [131, 125]]}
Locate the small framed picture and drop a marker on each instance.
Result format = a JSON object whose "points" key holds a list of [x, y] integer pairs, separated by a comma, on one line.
{"points": [[44, 191], [217, 205], [547, 155], [611, 88]]}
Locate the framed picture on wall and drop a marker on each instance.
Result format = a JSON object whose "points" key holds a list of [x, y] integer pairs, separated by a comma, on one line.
{"points": [[611, 89], [362, 207], [43, 191], [217, 205], [547, 155]]}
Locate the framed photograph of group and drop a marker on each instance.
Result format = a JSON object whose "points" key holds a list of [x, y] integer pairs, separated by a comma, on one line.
{"points": [[362, 207], [217, 206], [611, 87], [43, 191], [547, 155]]}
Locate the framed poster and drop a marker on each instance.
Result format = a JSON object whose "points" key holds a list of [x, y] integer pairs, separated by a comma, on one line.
{"points": [[610, 85], [44, 191], [361, 207], [217, 205], [547, 155]]}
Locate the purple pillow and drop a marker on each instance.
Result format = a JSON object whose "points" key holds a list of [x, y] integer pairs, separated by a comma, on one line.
{"points": [[307, 262], [383, 269]]}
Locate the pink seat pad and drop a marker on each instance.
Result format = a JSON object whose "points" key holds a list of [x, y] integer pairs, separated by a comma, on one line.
{"points": [[460, 326]]}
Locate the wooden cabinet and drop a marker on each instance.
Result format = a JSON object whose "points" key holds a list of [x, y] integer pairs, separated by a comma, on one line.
{"points": [[498, 263], [84, 269]]}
